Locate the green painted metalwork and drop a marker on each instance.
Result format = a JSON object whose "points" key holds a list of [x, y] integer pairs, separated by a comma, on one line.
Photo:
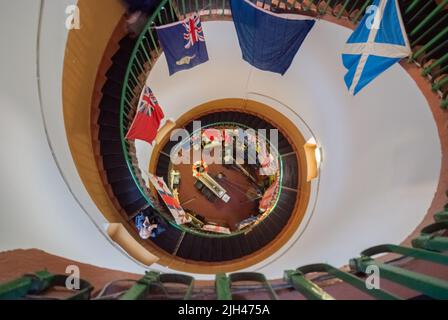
{"points": [[429, 17], [37, 283], [412, 6], [409, 252], [306, 287], [439, 84], [354, 281], [432, 287], [445, 104], [430, 43], [325, 9], [256, 277], [222, 287], [437, 63], [311, 2], [185, 280], [441, 216], [353, 7], [152, 279], [431, 237], [344, 6], [361, 11], [142, 287]]}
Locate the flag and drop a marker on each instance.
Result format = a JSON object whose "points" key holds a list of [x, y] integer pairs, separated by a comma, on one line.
{"points": [[147, 119], [170, 201], [183, 43], [268, 197], [268, 41], [379, 42], [216, 229]]}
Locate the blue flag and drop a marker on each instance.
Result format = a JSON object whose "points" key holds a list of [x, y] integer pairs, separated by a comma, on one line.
{"points": [[379, 42], [183, 43], [268, 41]]}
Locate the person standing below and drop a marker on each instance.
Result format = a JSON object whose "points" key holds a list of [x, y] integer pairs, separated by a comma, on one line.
{"points": [[146, 229]]}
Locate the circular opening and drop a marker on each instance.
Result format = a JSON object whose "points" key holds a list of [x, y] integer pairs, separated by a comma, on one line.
{"points": [[226, 173]]}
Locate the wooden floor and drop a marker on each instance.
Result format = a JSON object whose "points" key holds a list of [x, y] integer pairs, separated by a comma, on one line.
{"points": [[243, 202]]}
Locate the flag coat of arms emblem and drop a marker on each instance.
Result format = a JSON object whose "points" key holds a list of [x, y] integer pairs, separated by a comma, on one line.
{"points": [[269, 41], [147, 119], [379, 42], [170, 201], [183, 43]]}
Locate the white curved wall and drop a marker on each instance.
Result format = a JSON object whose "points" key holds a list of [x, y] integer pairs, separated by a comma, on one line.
{"points": [[37, 208], [381, 149]]}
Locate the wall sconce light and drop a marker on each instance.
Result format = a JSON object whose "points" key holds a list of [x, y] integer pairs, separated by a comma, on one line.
{"points": [[313, 155]]}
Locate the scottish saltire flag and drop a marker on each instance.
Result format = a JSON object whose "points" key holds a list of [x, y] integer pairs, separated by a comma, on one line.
{"points": [[183, 43], [379, 42], [147, 119], [268, 41]]}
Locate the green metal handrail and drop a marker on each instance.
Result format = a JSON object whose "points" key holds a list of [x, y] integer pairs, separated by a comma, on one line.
{"points": [[39, 282], [300, 279], [147, 50]]}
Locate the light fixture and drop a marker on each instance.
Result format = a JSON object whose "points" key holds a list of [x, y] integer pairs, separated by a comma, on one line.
{"points": [[313, 155]]}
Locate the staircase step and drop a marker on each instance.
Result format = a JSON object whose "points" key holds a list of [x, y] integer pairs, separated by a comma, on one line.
{"points": [[110, 147], [116, 73], [227, 253], [124, 186], [199, 244], [110, 119], [110, 104], [168, 240], [236, 247], [118, 174], [129, 197], [107, 133], [136, 206], [290, 173], [114, 161], [112, 89]]}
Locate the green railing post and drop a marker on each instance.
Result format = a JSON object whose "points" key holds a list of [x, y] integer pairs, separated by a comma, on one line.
{"points": [[344, 6], [352, 280], [256, 277], [309, 289], [444, 104], [15, 289], [430, 43], [432, 287], [179, 279], [412, 6], [430, 16], [441, 216], [37, 283], [222, 287], [439, 84], [142, 287], [408, 252], [361, 11], [430, 239], [437, 63]]}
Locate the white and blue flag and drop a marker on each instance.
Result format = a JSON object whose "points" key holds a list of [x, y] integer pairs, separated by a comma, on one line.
{"points": [[379, 41]]}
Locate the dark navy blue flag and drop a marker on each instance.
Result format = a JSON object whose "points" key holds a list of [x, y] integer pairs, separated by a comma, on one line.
{"points": [[268, 41], [183, 43]]}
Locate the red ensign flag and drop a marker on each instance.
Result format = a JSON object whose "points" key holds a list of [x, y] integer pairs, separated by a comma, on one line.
{"points": [[147, 120]]}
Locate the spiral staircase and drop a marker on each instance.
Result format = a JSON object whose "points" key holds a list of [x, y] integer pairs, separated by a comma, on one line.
{"points": [[427, 26]]}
